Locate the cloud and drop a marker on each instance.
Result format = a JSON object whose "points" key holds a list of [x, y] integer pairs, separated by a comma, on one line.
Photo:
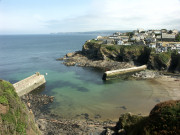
{"points": [[124, 15], [98, 15]]}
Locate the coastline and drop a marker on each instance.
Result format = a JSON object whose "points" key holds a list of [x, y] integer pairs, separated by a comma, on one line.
{"points": [[79, 59], [171, 84], [53, 124]]}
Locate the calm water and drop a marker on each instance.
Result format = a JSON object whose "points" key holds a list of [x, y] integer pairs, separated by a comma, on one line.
{"points": [[77, 90]]}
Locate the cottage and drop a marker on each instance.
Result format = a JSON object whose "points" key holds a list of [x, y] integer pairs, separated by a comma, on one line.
{"points": [[157, 32], [178, 47], [120, 42], [163, 31], [108, 41], [175, 32], [117, 34], [167, 37], [128, 43], [113, 37], [135, 38], [152, 45], [99, 38], [173, 48], [135, 32], [141, 30]]}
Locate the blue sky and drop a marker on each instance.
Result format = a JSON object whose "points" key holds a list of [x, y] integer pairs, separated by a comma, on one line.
{"points": [[48, 16]]}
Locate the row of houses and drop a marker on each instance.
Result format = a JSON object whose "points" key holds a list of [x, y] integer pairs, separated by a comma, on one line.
{"points": [[140, 36], [152, 38], [165, 46]]}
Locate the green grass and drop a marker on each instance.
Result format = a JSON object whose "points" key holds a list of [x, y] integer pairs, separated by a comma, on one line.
{"points": [[112, 47], [164, 57], [16, 120], [21, 128], [3, 100]]}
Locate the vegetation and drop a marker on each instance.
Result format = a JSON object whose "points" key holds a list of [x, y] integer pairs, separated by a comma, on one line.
{"points": [[164, 57], [112, 47], [163, 120], [3, 100], [166, 61], [130, 34], [178, 38], [14, 116]]}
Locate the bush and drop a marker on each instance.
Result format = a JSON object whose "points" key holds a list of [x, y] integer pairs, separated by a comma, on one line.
{"points": [[178, 38], [3, 100], [111, 48], [164, 57]]}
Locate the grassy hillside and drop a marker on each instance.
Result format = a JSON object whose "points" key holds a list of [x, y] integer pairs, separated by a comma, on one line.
{"points": [[15, 119]]}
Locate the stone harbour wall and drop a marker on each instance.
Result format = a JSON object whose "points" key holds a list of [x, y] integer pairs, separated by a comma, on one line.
{"points": [[108, 74], [28, 84]]}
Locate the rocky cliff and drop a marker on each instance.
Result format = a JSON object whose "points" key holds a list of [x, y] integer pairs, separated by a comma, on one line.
{"points": [[138, 54], [15, 119]]}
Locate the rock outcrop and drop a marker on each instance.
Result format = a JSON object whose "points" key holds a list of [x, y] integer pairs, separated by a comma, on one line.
{"points": [[134, 54]]}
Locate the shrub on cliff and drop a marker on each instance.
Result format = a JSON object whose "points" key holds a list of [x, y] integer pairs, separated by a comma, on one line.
{"points": [[163, 120], [177, 39], [160, 61], [14, 116]]}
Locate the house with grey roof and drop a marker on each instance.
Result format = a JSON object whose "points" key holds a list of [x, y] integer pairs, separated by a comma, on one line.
{"points": [[168, 37]]}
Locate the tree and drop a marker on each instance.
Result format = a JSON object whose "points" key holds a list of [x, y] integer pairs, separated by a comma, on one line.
{"points": [[178, 38]]}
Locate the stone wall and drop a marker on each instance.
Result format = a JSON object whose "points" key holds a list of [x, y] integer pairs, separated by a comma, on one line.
{"points": [[28, 84], [108, 74]]}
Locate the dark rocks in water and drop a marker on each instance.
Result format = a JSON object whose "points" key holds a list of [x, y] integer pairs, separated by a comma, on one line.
{"points": [[70, 54], [53, 124], [123, 107], [60, 59], [97, 116], [86, 116], [36, 102], [147, 74], [81, 60]]}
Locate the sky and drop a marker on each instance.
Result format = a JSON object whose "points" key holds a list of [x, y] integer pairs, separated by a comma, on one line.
{"points": [[52, 16]]}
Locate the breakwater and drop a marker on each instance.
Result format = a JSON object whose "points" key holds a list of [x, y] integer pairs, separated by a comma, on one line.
{"points": [[28, 84], [115, 73]]}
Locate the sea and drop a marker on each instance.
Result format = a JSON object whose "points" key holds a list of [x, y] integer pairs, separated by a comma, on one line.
{"points": [[78, 91]]}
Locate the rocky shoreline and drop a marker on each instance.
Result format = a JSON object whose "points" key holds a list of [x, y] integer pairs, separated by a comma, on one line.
{"points": [[79, 59], [128, 123], [50, 124]]}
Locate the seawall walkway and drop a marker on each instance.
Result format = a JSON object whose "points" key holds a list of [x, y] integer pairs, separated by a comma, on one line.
{"points": [[114, 73], [28, 84]]}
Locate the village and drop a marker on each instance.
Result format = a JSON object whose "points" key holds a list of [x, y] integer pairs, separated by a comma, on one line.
{"points": [[161, 40]]}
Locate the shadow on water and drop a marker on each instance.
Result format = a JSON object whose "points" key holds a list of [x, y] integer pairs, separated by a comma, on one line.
{"points": [[90, 74], [61, 84], [120, 78], [39, 90]]}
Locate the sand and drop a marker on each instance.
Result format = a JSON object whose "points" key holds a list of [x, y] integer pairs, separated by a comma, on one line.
{"points": [[170, 84]]}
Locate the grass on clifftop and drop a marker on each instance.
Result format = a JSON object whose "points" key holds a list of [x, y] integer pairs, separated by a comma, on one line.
{"points": [[14, 116]]}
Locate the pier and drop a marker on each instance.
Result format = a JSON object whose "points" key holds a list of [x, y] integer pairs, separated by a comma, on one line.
{"points": [[28, 84], [115, 73]]}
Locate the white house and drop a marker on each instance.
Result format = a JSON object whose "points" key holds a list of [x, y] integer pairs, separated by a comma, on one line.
{"points": [[152, 45], [120, 42]]}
